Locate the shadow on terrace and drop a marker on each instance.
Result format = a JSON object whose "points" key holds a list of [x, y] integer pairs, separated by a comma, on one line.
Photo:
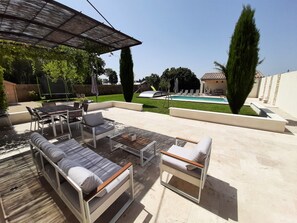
{"points": [[26, 196]]}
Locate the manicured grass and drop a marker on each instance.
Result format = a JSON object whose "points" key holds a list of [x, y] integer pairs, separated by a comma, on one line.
{"points": [[159, 106]]}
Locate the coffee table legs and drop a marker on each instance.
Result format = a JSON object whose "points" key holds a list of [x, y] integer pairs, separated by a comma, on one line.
{"points": [[145, 160]]}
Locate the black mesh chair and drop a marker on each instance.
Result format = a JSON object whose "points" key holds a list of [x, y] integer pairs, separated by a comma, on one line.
{"points": [[85, 106], [33, 118]]}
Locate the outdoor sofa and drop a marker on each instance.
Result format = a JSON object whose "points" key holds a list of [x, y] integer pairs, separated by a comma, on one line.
{"points": [[87, 182]]}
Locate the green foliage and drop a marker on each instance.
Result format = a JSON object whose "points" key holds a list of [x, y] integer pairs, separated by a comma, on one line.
{"points": [[153, 80], [126, 74], [33, 58], [112, 76], [242, 61], [3, 103], [61, 69], [186, 78]]}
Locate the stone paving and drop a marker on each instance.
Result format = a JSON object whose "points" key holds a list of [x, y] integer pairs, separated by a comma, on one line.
{"points": [[252, 175]]}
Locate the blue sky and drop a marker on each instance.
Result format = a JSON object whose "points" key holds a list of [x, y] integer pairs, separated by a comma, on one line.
{"points": [[195, 33]]}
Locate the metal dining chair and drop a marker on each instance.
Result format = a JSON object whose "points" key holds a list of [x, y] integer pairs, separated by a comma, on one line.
{"points": [[33, 118], [51, 103], [76, 104], [85, 106], [43, 120], [73, 117]]}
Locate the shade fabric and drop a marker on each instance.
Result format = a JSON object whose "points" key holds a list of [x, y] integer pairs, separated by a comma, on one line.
{"points": [[48, 23], [176, 86]]}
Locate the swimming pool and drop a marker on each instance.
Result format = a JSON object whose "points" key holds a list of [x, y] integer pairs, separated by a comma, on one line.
{"points": [[200, 99]]}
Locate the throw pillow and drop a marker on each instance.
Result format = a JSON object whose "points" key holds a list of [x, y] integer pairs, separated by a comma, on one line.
{"points": [[83, 177]]}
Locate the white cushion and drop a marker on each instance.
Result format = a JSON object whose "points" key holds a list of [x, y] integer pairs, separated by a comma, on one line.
{"points": [[202, 149], [86, 179], [93, 119]]}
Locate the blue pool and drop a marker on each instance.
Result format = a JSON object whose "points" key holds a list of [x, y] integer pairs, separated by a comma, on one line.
{"points": [[200, 99]]}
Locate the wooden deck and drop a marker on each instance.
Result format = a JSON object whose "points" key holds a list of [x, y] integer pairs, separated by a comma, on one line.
{"points": [[27, 197]]}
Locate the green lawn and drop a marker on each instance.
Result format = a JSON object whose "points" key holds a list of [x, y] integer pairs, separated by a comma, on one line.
{"points": [[156, 105]]}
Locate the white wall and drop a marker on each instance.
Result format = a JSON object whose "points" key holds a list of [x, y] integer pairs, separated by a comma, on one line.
{"points": [[280, 94], [287, 93], [255, 90]]}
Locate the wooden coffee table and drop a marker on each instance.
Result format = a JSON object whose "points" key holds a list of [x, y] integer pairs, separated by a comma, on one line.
{"points": [[142, 147]]}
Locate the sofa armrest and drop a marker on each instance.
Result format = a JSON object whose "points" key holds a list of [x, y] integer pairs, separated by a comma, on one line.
{"points": [[107, 119], [187, 140], [199, 165], [88, 197], [85, 124]]}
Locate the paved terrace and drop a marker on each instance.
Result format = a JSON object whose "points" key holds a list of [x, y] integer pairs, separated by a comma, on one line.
{"points": [[252, 175]]}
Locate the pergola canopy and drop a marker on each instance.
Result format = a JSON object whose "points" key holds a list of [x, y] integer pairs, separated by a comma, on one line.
{"points": [[48, 23]]}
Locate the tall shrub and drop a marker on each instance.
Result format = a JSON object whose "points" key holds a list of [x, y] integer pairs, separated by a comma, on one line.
{"points": [[3, 103], [126, 74], [242, 61]]}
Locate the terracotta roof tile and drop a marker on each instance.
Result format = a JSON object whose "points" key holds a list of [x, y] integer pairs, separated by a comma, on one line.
{"points": [[221, 76]]}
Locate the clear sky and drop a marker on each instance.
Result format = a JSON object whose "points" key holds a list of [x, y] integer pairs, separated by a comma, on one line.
{"points": [[195, 33]]}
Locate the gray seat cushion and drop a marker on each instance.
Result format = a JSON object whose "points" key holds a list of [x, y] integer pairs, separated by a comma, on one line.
{"points": [[100, 129], [93, 119]]}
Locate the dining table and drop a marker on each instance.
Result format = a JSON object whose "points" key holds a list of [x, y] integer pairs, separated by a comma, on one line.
{"points": [[54, 111]]}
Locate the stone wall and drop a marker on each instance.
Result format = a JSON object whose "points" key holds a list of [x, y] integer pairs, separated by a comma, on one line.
{"points": [[25, 91]]}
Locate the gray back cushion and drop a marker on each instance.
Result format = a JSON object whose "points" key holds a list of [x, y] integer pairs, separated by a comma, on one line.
{"points": [[93, 119], [52, 151], [202, 149], [66, 164], [37, 139], [84, 178]]}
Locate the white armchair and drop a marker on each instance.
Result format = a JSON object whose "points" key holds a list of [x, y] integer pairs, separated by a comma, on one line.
{"points": [[190, 165], [96, 127]]}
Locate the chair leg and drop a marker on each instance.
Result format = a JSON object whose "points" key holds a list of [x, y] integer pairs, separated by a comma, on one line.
{"points": [[94, 139], [69, 130], [31, 125]]}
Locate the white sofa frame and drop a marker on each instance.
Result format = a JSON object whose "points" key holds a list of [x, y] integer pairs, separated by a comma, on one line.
{"points": [[182, 175], [84, 215]]}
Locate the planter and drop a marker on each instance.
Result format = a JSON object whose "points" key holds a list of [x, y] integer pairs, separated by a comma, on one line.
{"points": [[4, 120]]}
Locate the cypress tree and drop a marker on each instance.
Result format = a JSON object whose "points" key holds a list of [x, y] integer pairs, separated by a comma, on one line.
{"points": [[126, 74], [242, 61]]}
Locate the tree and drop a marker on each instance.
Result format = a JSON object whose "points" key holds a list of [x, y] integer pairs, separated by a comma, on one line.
{"points": [[126, 73], [186, 78], [112, 75], [153, 80], [242, 61], [3, 103]]}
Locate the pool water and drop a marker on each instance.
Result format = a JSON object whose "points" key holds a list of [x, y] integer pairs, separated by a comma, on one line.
{"points": [[199, 99]]}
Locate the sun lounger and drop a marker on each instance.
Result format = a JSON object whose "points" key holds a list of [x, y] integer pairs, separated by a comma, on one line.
{"points": [[181, 92], [191, 92], [185, 93]]}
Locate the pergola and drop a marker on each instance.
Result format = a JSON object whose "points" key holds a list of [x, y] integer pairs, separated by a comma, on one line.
{"points": [[48, 23]]}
